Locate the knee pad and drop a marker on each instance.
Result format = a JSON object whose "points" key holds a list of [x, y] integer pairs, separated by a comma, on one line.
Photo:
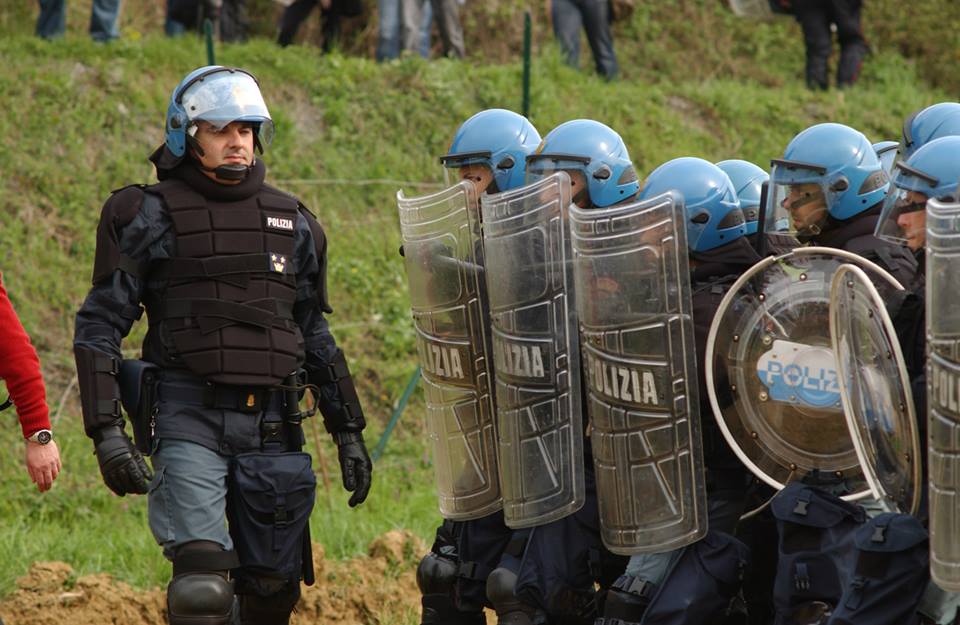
{"points": [[262, 607], [626, 601], [200, 592], [436, 574], [509, 609]]}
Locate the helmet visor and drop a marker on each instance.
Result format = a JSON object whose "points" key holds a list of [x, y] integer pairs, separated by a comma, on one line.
{"points": [[226, 96], [797, 201], [888, 156], [540, 166], [903, 218]]}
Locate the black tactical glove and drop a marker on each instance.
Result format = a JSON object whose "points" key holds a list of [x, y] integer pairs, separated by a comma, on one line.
{"points": [[121, 465], [355, 465]]}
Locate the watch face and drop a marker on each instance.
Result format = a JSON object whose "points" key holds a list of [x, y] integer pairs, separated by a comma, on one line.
{"points": [[44, 437]]}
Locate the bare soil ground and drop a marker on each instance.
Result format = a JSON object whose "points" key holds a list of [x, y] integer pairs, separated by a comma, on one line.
{"points": [[377, 589]]}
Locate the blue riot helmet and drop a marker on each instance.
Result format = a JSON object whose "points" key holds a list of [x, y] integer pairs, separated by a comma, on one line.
{"points": [[217, 95], [828, 173], [596, 151], [932, 172], [933, 122], [887, 153], [710, 202], [499, 139], [747, 180]]}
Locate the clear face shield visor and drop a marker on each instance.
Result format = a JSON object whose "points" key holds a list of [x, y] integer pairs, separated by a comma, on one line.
{"points": [[797, 201], [903, 218], [224, 96], [472, 166], [539, 166]]}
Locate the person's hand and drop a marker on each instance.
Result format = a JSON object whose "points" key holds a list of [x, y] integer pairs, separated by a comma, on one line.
{"points": [[121, 465], [326, 4], [43, 464], [355, 465]]}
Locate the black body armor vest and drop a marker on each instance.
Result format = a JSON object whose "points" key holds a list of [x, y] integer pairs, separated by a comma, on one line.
{"points": [[225, 311]]}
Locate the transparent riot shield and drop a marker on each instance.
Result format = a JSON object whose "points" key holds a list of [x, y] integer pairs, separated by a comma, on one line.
{"points": [[943, 390], [771, 372], [536, 352], [875, 390], [637, 343], [444, 260]]}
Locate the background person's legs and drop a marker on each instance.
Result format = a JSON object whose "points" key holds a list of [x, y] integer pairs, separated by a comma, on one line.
{"points": [[814, 19], [596, 21], [52, 21], [566, 26]]}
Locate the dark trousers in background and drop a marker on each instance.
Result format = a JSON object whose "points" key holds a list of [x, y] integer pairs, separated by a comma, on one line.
{"points": [[299, 10], [815, 17], [594, 16], [104, 15], [184, 15]]}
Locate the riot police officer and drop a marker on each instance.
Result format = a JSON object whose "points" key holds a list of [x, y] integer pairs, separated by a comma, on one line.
{"points": [[748, 180], [563, 559], [658, 586], [831, 186], [231, 272], [933, 122], [490, 151]]}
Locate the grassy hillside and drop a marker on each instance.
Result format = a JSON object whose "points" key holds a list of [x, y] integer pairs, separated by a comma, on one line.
{"points": [[80, 119]]}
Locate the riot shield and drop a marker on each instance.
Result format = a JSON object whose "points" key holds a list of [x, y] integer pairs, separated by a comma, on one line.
{"points": [[771, 372], [444, 261], [943, 390], [875, 390], [526, 243], [636, 338]]}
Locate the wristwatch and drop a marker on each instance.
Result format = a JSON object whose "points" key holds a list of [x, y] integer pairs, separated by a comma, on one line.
{"points": [[41, 437]]}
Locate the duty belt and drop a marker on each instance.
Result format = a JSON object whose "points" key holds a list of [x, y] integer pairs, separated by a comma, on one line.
{"points": [[252, 399]]}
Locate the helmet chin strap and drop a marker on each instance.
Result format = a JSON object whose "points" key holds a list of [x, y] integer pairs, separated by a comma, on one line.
{"points": [[229, 172]]}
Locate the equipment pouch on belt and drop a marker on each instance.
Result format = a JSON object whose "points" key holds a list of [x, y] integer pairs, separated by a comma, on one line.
{"points": [[891, 573], [270, 497], [817, 549], [138, 394]]}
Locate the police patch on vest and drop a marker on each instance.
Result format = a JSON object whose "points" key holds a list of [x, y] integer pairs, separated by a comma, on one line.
{"points": [[278, 263], [279, 223]]}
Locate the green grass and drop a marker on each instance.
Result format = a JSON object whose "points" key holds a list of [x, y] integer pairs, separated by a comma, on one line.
{"points": [[80, 118]]}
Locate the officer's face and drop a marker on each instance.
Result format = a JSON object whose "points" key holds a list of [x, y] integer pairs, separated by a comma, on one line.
{"points": [[230, 145], [806, 205], [914, 223], [578, 188], [479, 175]]}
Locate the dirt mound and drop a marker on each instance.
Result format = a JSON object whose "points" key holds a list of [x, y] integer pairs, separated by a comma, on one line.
{"points": [[378, 589]]}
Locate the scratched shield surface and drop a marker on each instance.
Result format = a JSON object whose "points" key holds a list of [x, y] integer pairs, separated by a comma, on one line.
{"points": [[772, 378], [875, 388], [943, 390], [536, 351], [443, 254], [637, 342]]}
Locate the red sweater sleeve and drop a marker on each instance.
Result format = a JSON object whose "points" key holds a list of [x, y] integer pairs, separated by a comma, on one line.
{"points": [[20, 369]]}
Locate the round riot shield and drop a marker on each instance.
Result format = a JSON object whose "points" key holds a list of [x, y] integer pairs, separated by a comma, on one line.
{"points": [[875, 390], [771, 373]]}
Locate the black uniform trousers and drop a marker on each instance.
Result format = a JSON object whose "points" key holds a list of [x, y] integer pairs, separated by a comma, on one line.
{"points": [[815, 17]]}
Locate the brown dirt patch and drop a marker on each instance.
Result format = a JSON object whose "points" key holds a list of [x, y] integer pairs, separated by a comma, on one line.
{"points": [[378, 589]]}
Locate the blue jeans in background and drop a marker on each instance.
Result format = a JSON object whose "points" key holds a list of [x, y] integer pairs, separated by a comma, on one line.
{"points": [[104, 15]]}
